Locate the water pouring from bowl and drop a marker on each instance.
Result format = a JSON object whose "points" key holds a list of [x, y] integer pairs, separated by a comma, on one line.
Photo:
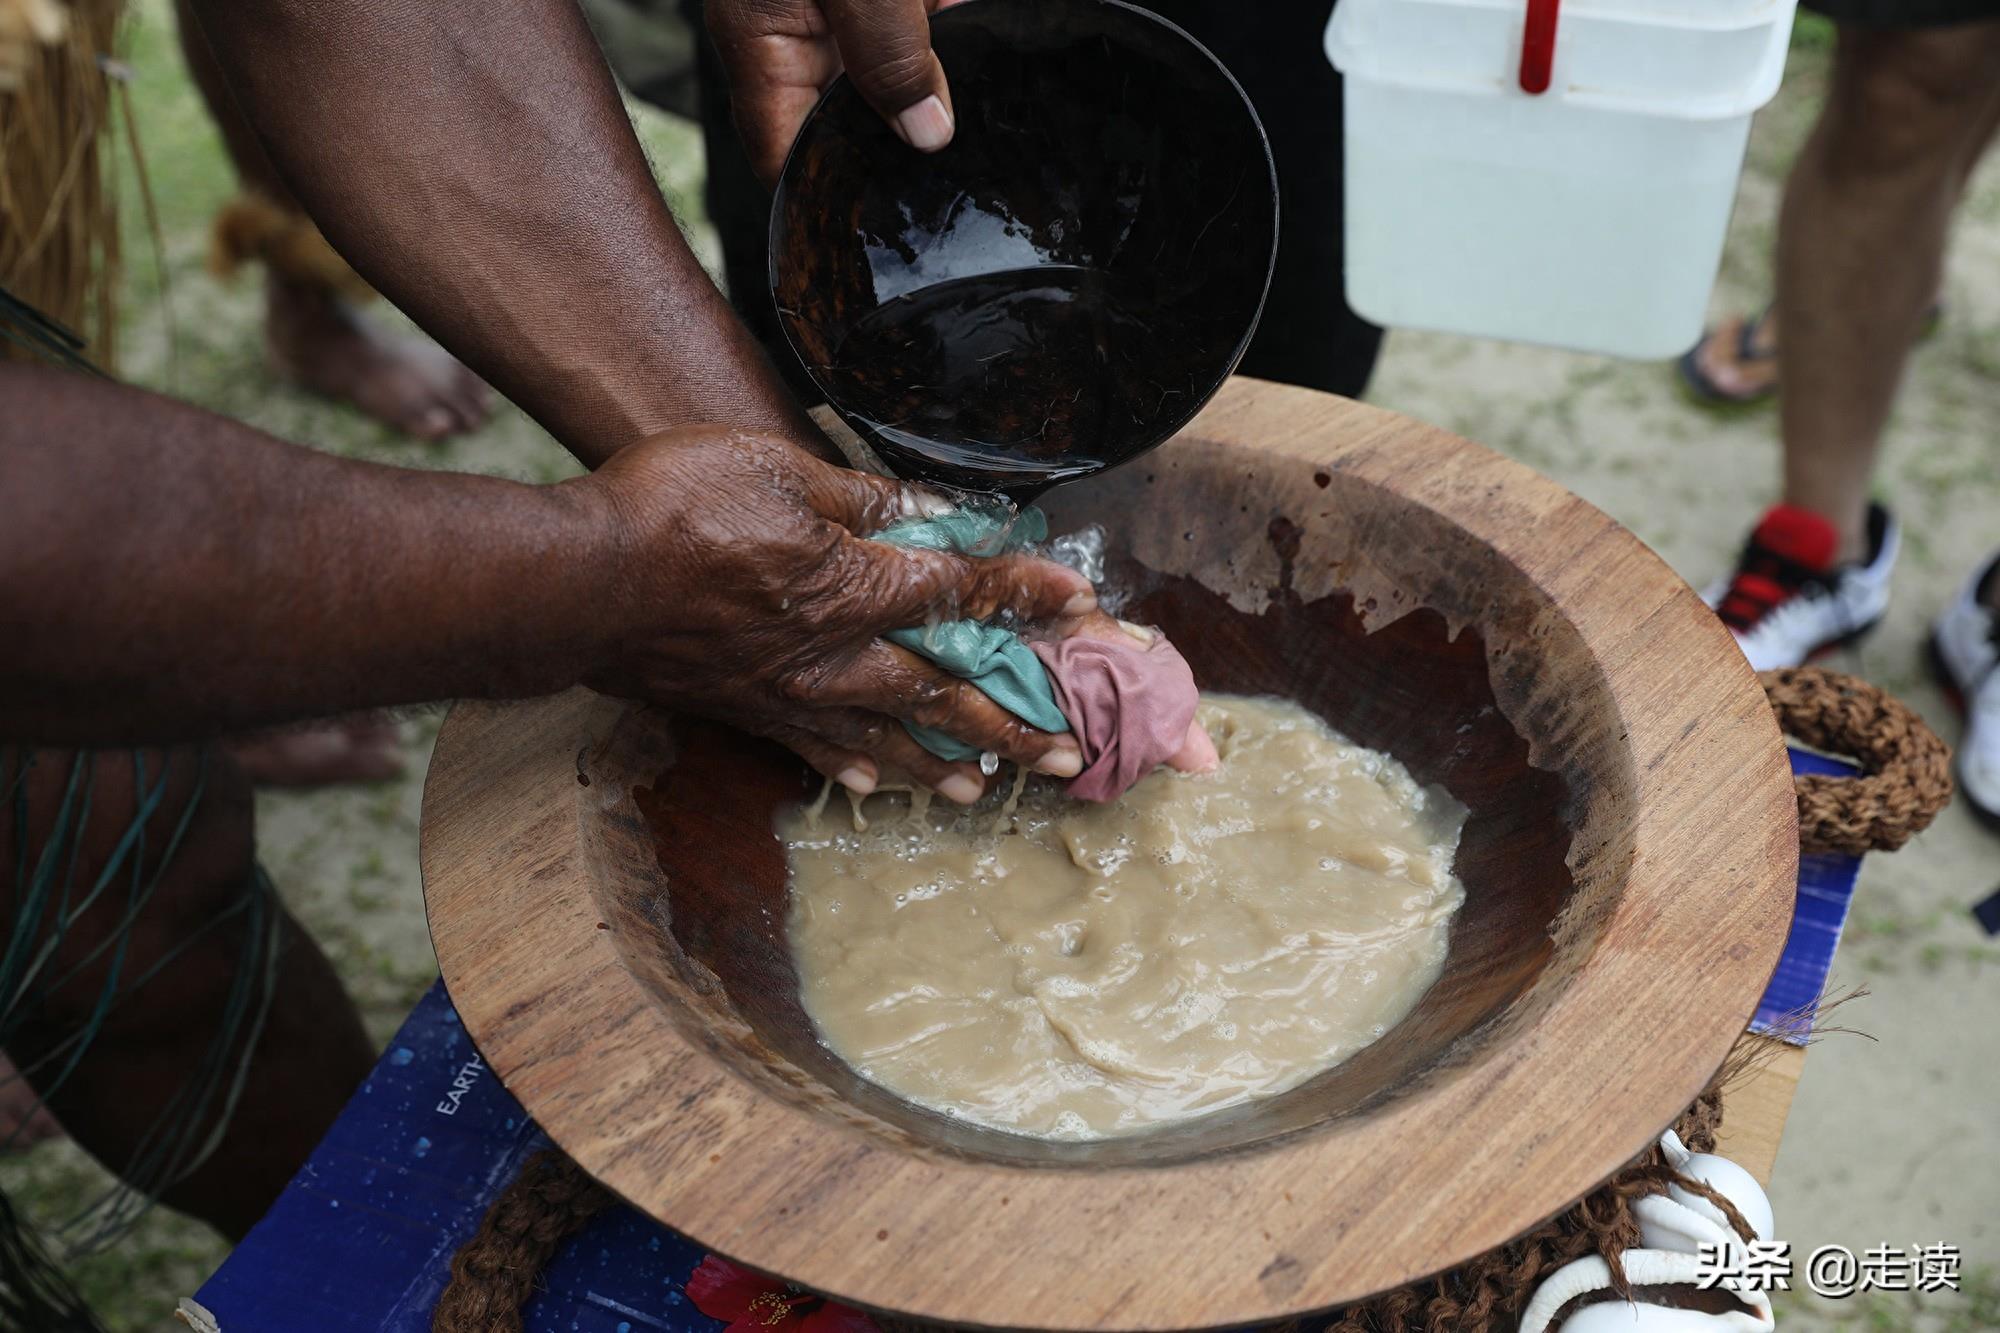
{"points": [[1062, 287]]}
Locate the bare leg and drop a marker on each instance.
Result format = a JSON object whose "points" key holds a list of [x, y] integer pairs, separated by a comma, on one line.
{"points": [[366, 747], [24, 1121], [1861, 243], [309, 1055], [1743, 364], [317, 339]]}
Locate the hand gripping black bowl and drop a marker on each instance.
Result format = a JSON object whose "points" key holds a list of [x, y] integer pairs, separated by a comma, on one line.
{"points": [[1063, 286]]}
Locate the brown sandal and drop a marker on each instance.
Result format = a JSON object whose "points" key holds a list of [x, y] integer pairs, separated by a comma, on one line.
{"points": [[1750, 348], [1742, 336]]}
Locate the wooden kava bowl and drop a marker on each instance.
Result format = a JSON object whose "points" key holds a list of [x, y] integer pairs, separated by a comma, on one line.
{"points": [[608, 903]]}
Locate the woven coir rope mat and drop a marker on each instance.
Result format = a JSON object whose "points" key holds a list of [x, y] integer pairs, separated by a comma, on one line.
{"points": [[1905, 781]]}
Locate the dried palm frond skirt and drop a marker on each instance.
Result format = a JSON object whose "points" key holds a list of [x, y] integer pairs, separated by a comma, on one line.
{"points": [[59, 248]]}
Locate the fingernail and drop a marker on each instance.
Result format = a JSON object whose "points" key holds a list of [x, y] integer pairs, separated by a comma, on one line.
{"points": [[1081, 602], [925, 126], [960, 789], [1062, 762], [1139, 632], [856, 779]]}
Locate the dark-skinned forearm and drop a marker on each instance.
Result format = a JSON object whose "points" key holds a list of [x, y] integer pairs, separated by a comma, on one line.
{"points": [[474, 162], [168, 575]]}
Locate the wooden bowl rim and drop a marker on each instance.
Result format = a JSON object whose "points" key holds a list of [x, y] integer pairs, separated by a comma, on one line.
{"points": [[1262, 1234]]}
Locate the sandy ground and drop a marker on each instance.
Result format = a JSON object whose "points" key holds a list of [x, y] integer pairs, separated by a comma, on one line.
{"points": [[1893, 1140]]}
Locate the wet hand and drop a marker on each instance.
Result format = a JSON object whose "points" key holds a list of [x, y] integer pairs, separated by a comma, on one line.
{"points": [[738, 586], [781, 55]]}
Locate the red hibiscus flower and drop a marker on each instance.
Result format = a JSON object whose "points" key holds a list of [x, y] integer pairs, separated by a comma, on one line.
{"points": [[752, 1303]]}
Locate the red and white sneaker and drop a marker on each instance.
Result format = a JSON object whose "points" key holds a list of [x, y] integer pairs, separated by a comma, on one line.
{"points": [[1788, 602], [1965, 653]]}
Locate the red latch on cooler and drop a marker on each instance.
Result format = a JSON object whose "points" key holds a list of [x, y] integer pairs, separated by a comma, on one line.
{"points": [[1538, 45]]}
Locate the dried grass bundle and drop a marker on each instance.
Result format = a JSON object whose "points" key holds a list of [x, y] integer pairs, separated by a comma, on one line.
{"points": [[59, 248]]}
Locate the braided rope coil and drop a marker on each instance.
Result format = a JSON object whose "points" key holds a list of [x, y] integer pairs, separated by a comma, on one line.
{"points": [[1906, 776], [494, 1274]]}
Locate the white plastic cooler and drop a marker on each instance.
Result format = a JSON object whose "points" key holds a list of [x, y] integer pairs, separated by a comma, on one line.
{"points": [[1551, 176]]}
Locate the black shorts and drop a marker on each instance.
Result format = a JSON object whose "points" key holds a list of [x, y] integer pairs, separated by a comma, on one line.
{"points": [[1905, 13]]}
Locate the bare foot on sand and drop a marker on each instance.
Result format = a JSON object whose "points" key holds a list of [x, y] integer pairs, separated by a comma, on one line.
{"points": [[323, 344], [363, 748], [24, 1121]]}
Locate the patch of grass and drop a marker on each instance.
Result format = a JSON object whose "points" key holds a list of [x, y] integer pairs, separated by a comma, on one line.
{"points": [[133, 1284], [1812, 34], [1890, 938]]}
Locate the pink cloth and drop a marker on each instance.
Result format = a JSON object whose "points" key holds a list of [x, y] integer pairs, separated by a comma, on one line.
{"points": [[1130, 705]]}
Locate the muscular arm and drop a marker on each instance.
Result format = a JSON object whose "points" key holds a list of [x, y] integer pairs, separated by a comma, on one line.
{"points": [[167, 575], [473, 161]]}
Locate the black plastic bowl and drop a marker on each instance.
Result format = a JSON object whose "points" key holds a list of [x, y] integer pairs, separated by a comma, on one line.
{"points": [[1061, 288]]}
